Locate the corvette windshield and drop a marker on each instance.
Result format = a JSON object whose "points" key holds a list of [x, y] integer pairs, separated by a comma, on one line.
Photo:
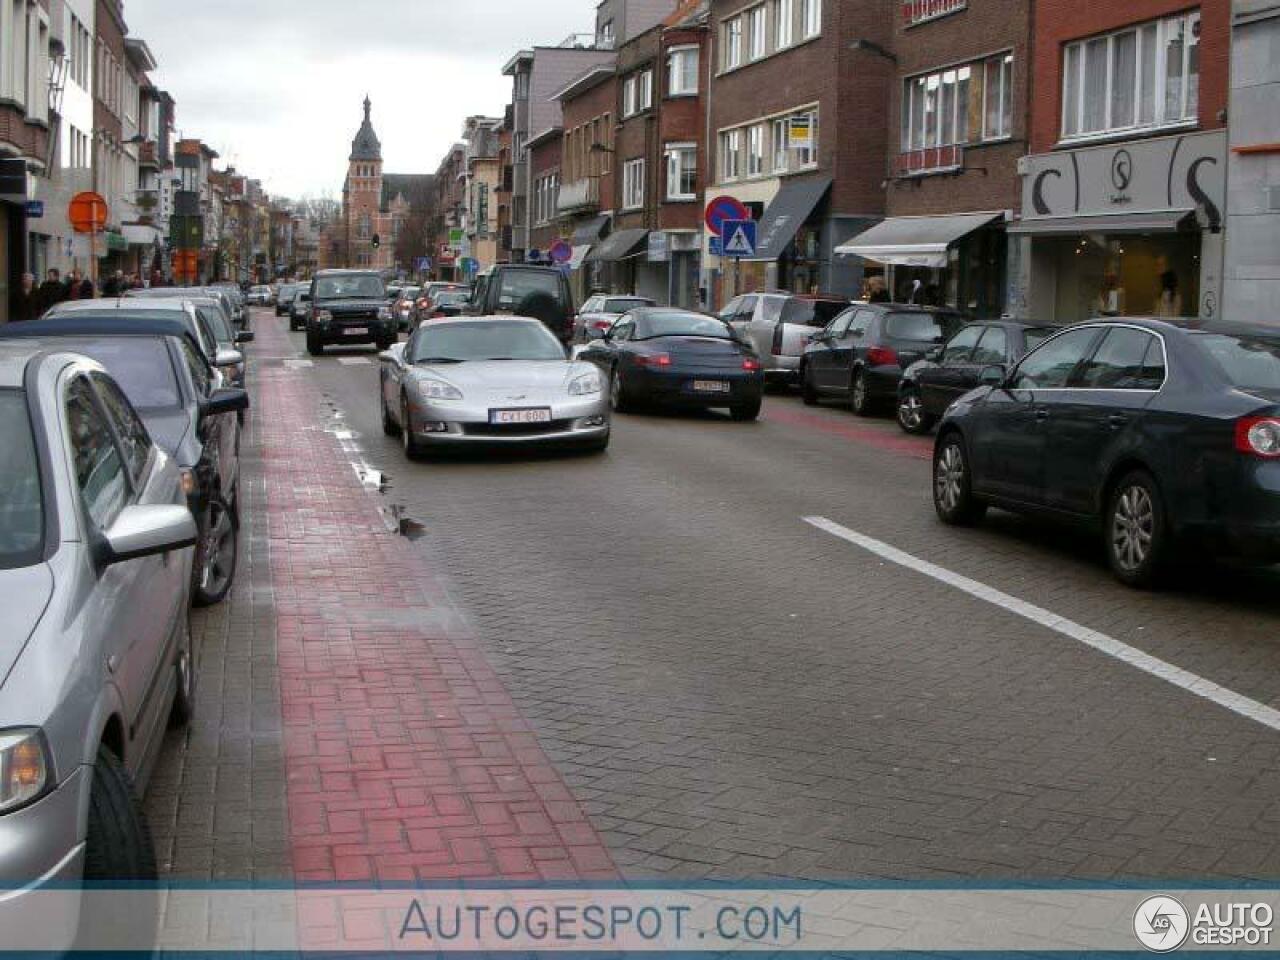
{"points": [[494, 340]]}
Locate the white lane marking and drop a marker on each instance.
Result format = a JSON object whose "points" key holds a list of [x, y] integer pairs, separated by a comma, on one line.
{"points": [[299, 364], [353, 361], [1161, 669]]}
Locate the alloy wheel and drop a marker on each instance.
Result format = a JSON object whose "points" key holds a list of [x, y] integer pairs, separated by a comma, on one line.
{"points": [[615, 391], [910, 411], [406, 427], [948, 479], [1133, 525], [858, 393], [219, 550]]}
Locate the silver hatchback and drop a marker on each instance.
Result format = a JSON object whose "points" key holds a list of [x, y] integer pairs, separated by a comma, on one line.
{"points": [[95, 656]]}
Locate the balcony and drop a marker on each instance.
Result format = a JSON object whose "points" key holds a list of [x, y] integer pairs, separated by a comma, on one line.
{"points": [[919, 11], [580, 196], [923, 163], [148, 155]]}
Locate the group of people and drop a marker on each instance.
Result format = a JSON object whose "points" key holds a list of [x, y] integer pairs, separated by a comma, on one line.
{"points": [[32, 301]]}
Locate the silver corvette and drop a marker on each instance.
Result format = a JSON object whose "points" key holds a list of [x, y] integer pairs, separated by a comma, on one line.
{"points": [[490, 380]]}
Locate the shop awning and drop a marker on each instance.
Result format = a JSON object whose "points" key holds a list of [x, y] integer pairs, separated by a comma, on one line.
{"points": [[1152, 221], [915, 241], [790, 208], [141, 235], [590, 231], [620, 245], [579, 254]]}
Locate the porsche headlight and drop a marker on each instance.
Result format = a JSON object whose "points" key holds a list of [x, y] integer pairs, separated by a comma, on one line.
{"points": [[24, 768], [585, 385], [438, 390]]}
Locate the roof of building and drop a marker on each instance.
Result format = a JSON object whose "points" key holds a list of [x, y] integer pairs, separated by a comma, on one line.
{"points": [[366, 146], [588, 80], [414, 187]]}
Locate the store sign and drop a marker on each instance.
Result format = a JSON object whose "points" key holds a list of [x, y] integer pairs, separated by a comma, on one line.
{"points": [[800, 132], [659, 247], [1169, 173]]}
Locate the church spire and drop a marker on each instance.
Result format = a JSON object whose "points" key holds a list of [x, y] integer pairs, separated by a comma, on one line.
{"points": [[366, 146]]}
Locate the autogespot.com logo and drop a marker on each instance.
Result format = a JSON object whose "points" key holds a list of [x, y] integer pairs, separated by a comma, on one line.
{"points": [[1161, 924]]}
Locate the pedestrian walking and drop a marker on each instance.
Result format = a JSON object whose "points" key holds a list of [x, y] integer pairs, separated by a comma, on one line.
{"points": [[52, 291], [26, 302]]}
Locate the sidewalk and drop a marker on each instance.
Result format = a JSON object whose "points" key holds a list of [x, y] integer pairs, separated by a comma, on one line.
{"points": [[404, 758]]}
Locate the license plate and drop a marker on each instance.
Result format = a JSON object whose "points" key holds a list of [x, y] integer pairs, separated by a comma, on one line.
{"points": [[355, 331], [535, 415], [711, 386]]}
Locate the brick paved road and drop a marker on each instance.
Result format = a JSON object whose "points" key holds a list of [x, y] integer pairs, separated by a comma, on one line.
{"points": [[729, 692]]}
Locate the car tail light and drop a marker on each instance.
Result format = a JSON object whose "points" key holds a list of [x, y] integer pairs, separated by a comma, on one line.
{"points": [[601, 324], [882, 357], [436, 314], [1259, 436], [777, 339], [423, 303], [751, 366], [654, 360]]}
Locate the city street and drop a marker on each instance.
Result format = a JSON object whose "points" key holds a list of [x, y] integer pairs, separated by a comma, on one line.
{"points": [[659, 662]]}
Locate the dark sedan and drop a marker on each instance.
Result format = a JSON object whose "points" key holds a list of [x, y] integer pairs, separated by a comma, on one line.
{"points": [[947, 373], [676, 358], [860, 355], [1164, 437]]}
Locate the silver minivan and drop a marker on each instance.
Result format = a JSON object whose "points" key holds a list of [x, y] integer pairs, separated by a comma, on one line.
{"points": [[96, 656]]}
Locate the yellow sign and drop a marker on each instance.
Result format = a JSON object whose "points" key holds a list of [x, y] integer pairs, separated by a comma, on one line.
{"points": [[800, 132]]}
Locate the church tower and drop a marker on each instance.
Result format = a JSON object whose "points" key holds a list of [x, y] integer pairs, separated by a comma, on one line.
{"points": [[363, 197]]}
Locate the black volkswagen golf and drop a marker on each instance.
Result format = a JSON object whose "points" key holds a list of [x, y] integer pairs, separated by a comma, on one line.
{"points": [[1165, 437]]}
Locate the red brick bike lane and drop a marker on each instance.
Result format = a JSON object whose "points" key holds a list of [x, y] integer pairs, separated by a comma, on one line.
{"points": [[406, 759]]}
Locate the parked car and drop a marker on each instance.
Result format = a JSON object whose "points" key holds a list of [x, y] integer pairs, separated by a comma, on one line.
{"points": [[526, 291], [229, 358], [349, 307], [259, 295], [284, 298], [948, 372], [300, 308], [97, 658], [427, 296], [504, 381], [236, 299], [777, 326], [185, 407], [1162, 436], [860, 355], [448, 303], [600, 312], [221, 293], [402, 308], [165, 304], [676, 358]]}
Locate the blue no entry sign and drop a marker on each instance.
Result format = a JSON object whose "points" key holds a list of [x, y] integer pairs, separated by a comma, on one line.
{"points": [[561, 251], [739, 238], [724, 208]]}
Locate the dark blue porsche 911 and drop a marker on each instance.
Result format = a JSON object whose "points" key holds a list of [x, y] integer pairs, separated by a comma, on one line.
{"points": [[1164, 436]]}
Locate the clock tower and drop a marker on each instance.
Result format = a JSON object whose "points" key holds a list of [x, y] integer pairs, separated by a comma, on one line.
{"points": [[362, 198]]}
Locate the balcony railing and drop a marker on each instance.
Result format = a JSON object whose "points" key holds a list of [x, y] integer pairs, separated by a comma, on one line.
{"points": [[918, 11], [580, 196], [919, 163]]}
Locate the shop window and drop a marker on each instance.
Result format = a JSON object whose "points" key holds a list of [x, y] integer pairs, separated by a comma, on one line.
{"points": [[1140, 77]]}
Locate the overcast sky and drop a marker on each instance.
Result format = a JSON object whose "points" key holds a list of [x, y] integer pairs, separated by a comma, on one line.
{"points": [[275, 86]]}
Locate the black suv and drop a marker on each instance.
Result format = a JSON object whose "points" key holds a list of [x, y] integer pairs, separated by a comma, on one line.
{"points": [[527, 291], [349, 306]]}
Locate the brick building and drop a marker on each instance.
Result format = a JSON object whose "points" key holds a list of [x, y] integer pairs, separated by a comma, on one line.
{"points": [[585, 207], [544, 151], [961, 124], [1124, 194], [799, 120]]}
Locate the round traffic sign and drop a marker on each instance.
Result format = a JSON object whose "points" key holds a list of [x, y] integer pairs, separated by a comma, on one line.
{"points": [[724, 208], [561, 251], [88, 212]]}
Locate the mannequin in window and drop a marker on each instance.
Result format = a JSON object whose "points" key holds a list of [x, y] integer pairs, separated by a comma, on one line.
{"points": [[1169, 302], [1110, 299]]}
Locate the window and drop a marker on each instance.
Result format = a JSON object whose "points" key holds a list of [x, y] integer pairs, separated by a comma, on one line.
{"points": [[730, 158], [997, 92], [606, 35], [810, 18], [994, 348], [198, 367], [935, 109], [1121, 362], [21, 500], [1143, 76], [1051, 366], [961, 346], [783, 23], [646, 89], [779, 146], [755, 33], [682, 171], [633, 184], [630, 95], [806, 148], [755, 150], [100, 472], [137, 443], [733, 43], [682, 71]]}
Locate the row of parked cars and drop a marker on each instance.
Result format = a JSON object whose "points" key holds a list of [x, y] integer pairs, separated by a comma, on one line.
{"points": [[120, 509]]}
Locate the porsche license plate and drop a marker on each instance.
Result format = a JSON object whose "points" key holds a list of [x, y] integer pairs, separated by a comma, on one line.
{"points": [[531, 415], [355, 331], [711, 386]]}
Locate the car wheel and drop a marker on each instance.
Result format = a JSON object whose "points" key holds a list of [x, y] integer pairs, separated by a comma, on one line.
{"points": [[808, 392], [743, 412], [618, 398], [412, 448], [953, 484], [314, 346], [1136, 536], [911, 415], [389, 426], [118, 845], [184, 701], [215, 567], [859, 398]]}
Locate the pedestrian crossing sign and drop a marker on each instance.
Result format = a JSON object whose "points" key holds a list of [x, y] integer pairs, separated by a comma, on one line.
{"points": [[739, 238]]}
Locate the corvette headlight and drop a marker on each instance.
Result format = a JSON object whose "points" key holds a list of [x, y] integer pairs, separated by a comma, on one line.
{"points": [[384, 313], [585, 385], [438, 390], [24, 768]]}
